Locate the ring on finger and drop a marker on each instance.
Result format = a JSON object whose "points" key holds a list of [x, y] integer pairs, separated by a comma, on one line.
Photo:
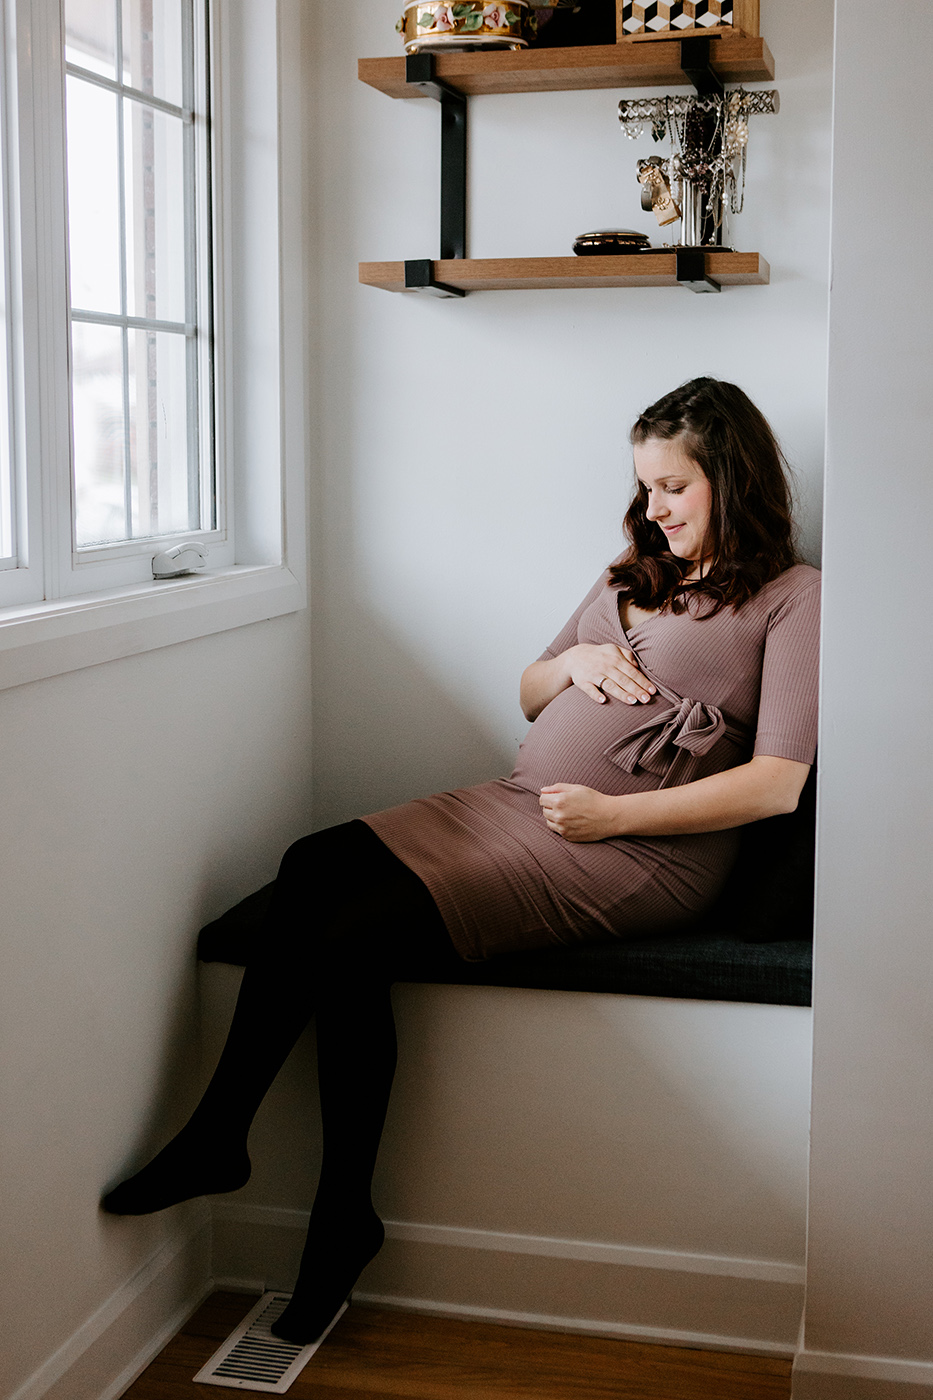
{"points": [[601, 684]]}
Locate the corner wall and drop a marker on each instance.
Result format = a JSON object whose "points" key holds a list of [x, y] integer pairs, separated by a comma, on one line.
{"points": [[140, 798], [869, 1323]]}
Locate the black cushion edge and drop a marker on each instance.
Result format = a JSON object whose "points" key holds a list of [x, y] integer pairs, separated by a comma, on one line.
{"points": [[701, 968], [698, 969]]}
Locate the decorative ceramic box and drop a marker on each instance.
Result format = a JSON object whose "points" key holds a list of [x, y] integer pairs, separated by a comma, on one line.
{"points": [[667, 19], [427, 25]]}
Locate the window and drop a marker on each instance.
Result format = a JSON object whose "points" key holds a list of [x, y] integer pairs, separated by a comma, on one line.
{"points": [[8, 533], [139, 258], [141, 214]]}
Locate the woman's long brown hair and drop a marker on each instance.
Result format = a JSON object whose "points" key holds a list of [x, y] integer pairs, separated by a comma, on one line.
{"points": [[751, 533]]}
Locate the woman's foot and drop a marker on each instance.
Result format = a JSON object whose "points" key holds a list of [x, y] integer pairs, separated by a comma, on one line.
{"points": [[334, 1257], [193, 1164]]}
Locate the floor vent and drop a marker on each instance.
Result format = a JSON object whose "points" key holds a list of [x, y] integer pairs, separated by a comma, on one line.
{"points": [[252, 1359]]}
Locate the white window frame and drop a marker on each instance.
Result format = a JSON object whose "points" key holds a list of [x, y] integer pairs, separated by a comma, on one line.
{"points": [[67, 618]]}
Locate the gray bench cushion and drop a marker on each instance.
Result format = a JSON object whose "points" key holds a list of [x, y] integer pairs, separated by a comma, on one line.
{"points": [[704, 969], [710, 967]]}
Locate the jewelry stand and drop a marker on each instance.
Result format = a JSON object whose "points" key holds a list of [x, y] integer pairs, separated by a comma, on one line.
{"points": [[708, 137]]}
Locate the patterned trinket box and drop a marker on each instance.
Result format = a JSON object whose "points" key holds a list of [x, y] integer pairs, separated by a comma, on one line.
{"points": [[442, 24], [645, 19]]}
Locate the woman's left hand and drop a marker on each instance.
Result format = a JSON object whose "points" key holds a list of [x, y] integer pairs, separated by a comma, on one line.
{"points": [[579, 813]]}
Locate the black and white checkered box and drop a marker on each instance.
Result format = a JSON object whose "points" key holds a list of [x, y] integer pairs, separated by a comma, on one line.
{"points": [[665, 16]]}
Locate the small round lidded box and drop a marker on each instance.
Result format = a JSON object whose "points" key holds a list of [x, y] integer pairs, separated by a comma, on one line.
{"points": [[430, 24]]}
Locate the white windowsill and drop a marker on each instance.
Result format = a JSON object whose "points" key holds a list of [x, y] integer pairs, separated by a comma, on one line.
{"points": [[48, 639]]}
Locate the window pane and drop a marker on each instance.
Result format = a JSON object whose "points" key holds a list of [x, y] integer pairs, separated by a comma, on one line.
{"points": [[93, 197], [152, 59], [6, 498], [7, 533], [155, 198], [132, 202], [159, 435], [7, 538], [6, 517], [90, 35], [99, 438], [155, 496]]}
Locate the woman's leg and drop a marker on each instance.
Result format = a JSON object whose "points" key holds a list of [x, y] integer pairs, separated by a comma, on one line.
{"points": [[337, 888], [400, 934], [356, 1051]]}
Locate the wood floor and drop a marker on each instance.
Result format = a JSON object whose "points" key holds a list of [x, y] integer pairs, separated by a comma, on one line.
{"points": [[375, 1355]]}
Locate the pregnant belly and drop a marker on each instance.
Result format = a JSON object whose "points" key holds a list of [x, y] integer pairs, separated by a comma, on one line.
{"points": [[618, 748]]}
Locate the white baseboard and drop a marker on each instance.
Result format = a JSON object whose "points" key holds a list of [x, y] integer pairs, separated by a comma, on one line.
{"points": [[650, 1295], [136, 1321], [582, 1326], [612, 1290], [826, 1375]]}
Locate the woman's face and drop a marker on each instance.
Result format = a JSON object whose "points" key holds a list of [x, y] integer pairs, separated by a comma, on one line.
{"points": [[679, 496]]}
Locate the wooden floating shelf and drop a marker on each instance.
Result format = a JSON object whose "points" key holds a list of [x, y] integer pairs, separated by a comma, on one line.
{"points": [[535, 274], [736, 58]]}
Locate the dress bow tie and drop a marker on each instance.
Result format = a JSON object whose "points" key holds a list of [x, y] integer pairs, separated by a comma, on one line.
{"points": [[653, 746]]}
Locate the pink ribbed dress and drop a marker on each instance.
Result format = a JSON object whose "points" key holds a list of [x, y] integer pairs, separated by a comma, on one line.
{"points": [[741, 683]]}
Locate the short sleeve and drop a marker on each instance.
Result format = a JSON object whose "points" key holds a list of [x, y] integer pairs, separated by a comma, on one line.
{"points": [[567, 636], [788, 707]]}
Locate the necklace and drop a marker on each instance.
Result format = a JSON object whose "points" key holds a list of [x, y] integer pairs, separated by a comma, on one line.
{"points": [[713, 163]]}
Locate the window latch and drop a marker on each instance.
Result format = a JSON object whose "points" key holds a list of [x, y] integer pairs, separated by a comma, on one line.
{"points": [[180, 559]]}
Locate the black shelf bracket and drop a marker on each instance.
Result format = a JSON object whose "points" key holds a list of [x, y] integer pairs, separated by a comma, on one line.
{"points": [[419, 277], [420, 72], [695, 62], [691, 271]]}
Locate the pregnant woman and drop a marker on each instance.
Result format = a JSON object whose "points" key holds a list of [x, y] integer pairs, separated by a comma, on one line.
{"points": [[677, 704]]}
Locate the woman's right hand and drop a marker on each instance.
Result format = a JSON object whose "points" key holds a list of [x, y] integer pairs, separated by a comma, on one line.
{"points": [[605, 672], [608, 672]]}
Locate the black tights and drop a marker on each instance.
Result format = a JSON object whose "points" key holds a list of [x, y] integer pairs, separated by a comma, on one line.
{"points": [[347, 920]]}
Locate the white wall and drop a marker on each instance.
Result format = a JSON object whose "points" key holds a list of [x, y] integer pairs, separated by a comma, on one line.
{"points": [[140, 798], [475, 467], [869, 1323]]}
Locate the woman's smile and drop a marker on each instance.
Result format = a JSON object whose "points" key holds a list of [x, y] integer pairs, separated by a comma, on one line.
{"points": [[679, 496]]}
